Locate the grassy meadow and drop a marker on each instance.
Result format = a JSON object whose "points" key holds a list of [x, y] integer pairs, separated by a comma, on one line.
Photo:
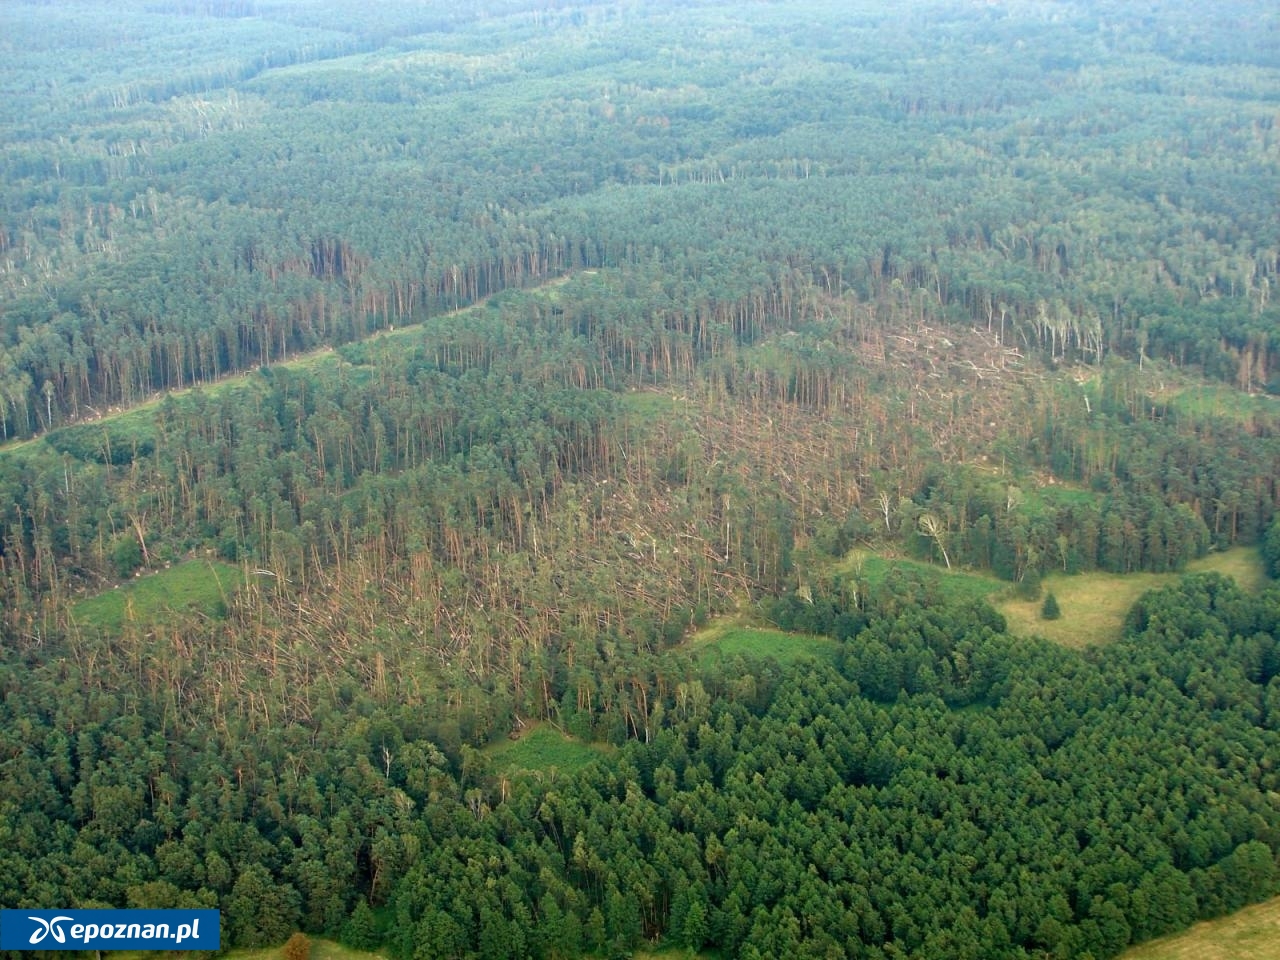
{"points": [[1094, 604], [543, 749], [195, 585], [1249, 934], [730, 637]]}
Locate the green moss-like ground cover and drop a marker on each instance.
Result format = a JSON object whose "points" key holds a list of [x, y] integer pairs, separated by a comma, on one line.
{"points": [[202, 586], [762, 643], [951, 585], [544, 749]]}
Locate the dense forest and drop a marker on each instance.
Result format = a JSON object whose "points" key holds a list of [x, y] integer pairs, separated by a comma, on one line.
{"points": [[463, 361]]}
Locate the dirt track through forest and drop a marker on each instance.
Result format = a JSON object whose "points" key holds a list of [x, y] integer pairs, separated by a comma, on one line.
{"points": [[240, 376]]}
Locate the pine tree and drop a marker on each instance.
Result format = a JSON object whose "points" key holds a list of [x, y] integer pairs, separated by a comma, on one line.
{"points": [[361, 931], [1050, 609]]}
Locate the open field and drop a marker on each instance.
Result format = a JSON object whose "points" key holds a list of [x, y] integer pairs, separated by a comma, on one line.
{"points": [[1093, 607], [655, 404], [730, 637], [1094, 604], [951, 585], [1249, 934], [196, 585], [1242, 564], [1219, 400], [543, 748]]}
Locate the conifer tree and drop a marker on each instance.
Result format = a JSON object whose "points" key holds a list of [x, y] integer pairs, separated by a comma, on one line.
{"points": [[1050, 610]]}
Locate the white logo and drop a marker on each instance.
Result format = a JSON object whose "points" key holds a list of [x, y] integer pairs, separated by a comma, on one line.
{"points": [[49, 926]]}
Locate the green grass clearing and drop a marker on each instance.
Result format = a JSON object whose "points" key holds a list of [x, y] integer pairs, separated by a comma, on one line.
{"points": [[196, 585], [1249, 934], [951, 585], [543, 749], [1093, 607], [1095, 604], [1242, 564], [1221, 401], [761, 643], [729, 637], [650, 405]]}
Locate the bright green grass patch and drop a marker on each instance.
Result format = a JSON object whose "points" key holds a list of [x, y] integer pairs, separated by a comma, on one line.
{"points": [[197, 585], [1220, 401], [115, 439], [1037, 500], [955, 586], [1249, 934], [651, 405], [763, 643], [544, 749], [1095, 604], [729, 636]]}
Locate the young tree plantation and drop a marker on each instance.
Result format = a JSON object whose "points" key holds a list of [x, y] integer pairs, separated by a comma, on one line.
{"points": [[391, 392]]}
